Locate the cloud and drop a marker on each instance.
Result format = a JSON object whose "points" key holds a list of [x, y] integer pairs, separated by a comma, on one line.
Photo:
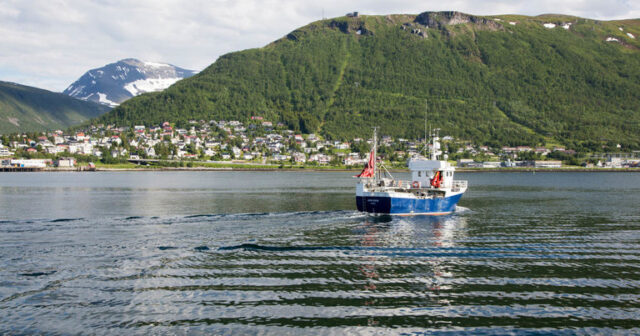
{"points": [[50, 43]]}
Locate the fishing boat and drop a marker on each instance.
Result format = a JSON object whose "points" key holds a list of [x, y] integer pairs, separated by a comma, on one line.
{"points": [[431, 190]]}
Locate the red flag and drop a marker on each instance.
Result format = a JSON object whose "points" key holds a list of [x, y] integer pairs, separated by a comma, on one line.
{"points": [[369, 167]]}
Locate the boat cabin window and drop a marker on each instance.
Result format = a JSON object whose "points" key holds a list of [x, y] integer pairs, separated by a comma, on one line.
{"points": [[419, 173]]}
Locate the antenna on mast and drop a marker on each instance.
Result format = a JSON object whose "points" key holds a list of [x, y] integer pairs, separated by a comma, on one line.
{"points": [[426, 108], [430, 134], [375, 153]]}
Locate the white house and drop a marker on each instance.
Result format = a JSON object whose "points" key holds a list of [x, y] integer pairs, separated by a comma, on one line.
{"points": [[281, 157], [548, 164], [30, 163], [299, 157], [66, 162]]}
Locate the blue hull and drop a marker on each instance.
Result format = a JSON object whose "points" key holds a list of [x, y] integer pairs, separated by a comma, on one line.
{"points": [[407, 206]]}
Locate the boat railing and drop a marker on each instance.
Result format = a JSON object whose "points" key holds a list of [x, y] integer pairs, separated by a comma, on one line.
{"points": [[459, 184], [400, 184], [403, 184], [392, 183]]}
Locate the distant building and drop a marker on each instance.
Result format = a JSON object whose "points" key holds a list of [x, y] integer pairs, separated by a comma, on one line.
{"points": [[281, 157], [299, 157], [5, 152], [351, 160], [320, 158], [547, 164], [523, 149], [614, 162], [491, 164], [465, 162], [542, 151], [29, 163], [343, 146], [509, 163], [66, 162]]}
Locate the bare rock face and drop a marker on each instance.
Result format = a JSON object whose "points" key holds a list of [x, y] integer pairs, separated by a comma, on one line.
{"points": [[351, 26], [343, 26], [416, 29], [442, 19]]}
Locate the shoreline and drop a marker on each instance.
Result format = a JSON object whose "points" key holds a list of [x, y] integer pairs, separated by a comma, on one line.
{"points": [[328, 169]]}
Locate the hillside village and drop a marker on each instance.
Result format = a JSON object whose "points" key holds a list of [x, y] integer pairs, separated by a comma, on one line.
{"points": [[261, 142]]}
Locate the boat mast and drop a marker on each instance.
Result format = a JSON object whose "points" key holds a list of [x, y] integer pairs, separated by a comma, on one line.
{"points": [[375, 153], [426, 143], [434, 153], [435, 140]]}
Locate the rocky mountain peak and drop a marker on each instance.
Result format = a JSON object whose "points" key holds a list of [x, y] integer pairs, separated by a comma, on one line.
{"points": [[441, 19], [116, 82]]}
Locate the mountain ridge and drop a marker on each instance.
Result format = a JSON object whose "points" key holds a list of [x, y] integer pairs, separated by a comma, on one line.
{"points": [[25, 109], [489, 79]]}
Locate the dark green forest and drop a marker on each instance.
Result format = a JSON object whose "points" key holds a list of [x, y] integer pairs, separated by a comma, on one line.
{"points": [[509, 81], [27, 109]]}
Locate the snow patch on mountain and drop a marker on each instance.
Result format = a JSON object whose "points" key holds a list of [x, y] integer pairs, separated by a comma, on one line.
{"points": [[75, 91], [14, 121], [102, 99], [155, 65], [149, 85]]}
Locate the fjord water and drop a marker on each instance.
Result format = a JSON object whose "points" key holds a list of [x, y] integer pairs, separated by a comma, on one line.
{"points": [[286, 253]]}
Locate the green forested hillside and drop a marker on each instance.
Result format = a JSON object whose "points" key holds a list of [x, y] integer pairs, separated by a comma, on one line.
{"points": [[26, 109], [495, 80]]}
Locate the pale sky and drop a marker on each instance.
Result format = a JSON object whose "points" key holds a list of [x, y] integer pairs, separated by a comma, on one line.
{"points": [[51, 43]]}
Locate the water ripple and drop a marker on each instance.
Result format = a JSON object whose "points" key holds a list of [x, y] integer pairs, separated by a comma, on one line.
{"points": [[512, 260]]}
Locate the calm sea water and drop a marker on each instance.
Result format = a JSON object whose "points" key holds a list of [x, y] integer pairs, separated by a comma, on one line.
{"points": [[286, 253]]}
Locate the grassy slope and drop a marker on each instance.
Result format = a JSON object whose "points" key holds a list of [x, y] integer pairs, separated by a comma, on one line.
{"points": [[24, 109], [490, 82]]}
